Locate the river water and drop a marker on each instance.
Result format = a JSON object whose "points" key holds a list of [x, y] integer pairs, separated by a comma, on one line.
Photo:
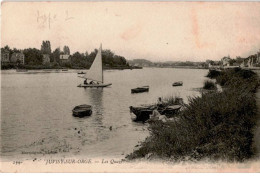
{"points": [[36, 111]]}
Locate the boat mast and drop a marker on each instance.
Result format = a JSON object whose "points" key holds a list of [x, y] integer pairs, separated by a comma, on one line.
{"points": [[101, 63]]}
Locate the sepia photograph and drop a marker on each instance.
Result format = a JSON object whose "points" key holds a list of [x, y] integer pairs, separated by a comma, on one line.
{"points": [[130, 87]]}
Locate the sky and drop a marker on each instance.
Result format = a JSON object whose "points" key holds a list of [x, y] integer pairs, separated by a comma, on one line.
{"points": [[157, 31]]}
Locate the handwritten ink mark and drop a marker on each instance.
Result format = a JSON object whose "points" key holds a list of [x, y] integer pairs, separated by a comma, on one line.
{"points": [[67, 16], [43, 19]]}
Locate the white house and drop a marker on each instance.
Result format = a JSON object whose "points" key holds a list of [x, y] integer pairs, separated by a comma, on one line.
{"points": [[64, 58]]}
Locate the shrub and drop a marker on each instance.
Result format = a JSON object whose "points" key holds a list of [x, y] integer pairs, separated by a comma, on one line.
{"points": [[238, 78], [213, 74], [209, 85], [217, 125]]}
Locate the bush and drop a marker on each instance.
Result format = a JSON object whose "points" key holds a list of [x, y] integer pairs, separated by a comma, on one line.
{"points": [[213, 74], [217, 125], [209, 85], [238, 78], [7, 66]]}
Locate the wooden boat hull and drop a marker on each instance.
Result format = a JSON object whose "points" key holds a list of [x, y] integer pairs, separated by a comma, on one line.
{"points": [[140, 89], [143, 112], [94, 85], [177, 84], [82, 111]]}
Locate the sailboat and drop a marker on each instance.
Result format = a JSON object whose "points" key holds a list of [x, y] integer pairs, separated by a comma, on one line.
{"points": [[95, 73]]}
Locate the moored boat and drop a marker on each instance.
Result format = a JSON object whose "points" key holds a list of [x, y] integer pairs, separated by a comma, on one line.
{"points": [[81, 72], [94, 85], [179, 83], [143, 112], [82, 110], [140, 89]]}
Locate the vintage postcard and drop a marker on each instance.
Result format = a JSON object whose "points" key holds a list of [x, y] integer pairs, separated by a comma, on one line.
{"points": [[119, 86]]}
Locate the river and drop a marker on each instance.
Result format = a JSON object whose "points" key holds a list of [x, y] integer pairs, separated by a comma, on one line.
{"points": [[36, 111]]}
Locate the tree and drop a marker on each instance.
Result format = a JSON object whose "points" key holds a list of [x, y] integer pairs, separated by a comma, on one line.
{"points": [[33, 56], [66, 50], [8, 49], [80, 60], [92, 56], [16, 50], [108, 58], [119, 60], [46, 47], [55, 56]]}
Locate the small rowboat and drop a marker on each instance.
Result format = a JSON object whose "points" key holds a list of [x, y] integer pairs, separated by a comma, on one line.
{"points": [[82, 110], [140, 89], [94, 85], [143, 113], [81, 72], [179, 83]]}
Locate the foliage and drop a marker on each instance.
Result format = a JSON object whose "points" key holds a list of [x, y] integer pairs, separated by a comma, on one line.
{"points": [[209, 85], [217, 125], [46, 47], [79, 60], [55, 56], [66, 50], [213, 74], [8, 66], [108, 57], [239, 78], [33, 56]]}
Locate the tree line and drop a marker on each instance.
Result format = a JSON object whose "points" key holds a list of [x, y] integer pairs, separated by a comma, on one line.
{"points": [[34, 57]]}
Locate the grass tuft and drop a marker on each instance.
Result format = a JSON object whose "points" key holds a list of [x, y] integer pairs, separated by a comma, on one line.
{"points": [[216, 125]]}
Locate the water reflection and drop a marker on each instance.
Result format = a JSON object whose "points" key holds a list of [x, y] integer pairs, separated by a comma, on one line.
{"points": [[95, 97]]}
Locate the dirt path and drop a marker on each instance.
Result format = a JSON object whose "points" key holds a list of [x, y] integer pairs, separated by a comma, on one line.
{"points": [[257, 131]]}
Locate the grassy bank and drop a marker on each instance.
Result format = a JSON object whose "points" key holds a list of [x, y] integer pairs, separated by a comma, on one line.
{"points": [[216, 125]]}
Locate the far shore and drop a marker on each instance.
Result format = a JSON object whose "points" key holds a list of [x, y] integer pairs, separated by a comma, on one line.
{"points": [[66, 68]]}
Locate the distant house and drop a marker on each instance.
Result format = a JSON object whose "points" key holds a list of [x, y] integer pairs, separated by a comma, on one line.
{"points": [[5, 57], [226, 61], [64, 58], [46, 58], [17, 57]]}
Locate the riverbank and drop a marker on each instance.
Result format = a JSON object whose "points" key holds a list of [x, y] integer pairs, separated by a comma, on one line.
{"points": [[43, 67], [214, 126], [60, 67], [256, 141], [179, 67]]}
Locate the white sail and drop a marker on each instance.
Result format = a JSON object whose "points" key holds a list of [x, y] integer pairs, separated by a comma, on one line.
{"points": [[96, 71]]}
